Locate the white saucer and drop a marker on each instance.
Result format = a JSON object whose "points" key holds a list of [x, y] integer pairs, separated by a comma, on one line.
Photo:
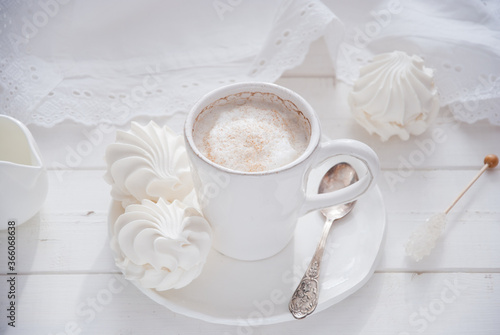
{"points": [[245, 293]]}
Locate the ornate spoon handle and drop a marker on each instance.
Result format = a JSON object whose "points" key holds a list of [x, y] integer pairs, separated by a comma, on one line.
{"points": [[305, 298]]}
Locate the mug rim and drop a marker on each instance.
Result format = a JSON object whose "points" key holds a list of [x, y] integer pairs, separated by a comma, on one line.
{"points": [[263, 87]]}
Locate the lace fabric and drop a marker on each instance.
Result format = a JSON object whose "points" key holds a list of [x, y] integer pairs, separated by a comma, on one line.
{"points": [[111, 61], [459, 39], [93, 61]]}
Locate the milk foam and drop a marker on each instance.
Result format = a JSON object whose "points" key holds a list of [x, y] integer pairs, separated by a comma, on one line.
{"points": [[251, 135]]}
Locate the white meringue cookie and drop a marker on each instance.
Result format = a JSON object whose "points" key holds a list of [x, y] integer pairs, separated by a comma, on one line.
{"points": [[148, 162], [395, 95], [161, 245]]}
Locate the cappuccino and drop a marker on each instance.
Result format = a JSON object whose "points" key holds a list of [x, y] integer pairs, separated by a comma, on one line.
{"points": [[251, 132]]}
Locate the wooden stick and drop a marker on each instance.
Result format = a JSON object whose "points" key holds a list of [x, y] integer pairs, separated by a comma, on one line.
{"points": [[490, 161]]}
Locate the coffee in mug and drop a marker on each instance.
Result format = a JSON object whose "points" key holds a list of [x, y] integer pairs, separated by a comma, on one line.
{"points": [[251, 132]]}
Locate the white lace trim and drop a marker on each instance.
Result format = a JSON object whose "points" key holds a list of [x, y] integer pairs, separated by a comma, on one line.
{"points": [[39, 92]]}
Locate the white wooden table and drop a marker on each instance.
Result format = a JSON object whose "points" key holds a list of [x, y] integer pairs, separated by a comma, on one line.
{"points": [[67, 282]]}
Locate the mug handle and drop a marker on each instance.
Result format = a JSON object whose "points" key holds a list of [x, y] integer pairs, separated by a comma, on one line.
{"points": [[350, 193]]}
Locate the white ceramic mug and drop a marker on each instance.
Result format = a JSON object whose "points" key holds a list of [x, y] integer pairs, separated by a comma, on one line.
{"points": [[23, 178], [253, 214]]}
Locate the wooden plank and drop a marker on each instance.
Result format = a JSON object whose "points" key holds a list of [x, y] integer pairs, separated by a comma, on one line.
{"points": [[80, 192], [432, 191], [70, 233], [390, 303], [62, 243], [84, 191], [72, 244]]}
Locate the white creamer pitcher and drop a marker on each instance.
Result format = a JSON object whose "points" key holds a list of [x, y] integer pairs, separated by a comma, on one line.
{"points": [[23, 178]]}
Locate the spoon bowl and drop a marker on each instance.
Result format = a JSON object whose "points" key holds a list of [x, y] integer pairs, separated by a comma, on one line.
{"points": [[337, 177], [305, 298]]}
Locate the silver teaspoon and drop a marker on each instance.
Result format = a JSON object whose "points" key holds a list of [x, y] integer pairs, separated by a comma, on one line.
{"points": [[305, 297]]}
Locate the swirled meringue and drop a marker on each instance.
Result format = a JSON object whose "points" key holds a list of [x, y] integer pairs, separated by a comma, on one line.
{"points": [[148, 162], [161, 245], [395, 95]]}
